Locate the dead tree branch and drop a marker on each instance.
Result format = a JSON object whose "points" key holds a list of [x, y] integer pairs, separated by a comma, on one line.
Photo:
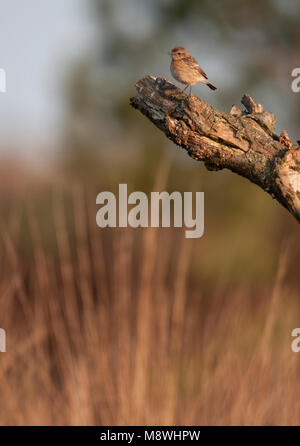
{"points": [[242, 141]]}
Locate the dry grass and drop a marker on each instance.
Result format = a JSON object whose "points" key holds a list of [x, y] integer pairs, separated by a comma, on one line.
{"points": [[106, 327]]}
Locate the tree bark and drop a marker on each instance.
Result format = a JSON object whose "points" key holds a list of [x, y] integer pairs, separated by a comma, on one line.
{"points": [[242, 141]]}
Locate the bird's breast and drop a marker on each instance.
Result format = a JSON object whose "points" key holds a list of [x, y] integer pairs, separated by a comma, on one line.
{"points": [[185, 74]]}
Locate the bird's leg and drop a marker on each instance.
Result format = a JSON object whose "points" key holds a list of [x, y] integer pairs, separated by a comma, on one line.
{"points": [[191, 91], [182, 104]]}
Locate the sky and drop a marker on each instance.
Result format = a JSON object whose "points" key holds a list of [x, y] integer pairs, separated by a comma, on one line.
{"points": [[38, 41]]}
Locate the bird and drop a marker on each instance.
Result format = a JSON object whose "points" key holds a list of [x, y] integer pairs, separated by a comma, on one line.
{"points": [[186, 70]]}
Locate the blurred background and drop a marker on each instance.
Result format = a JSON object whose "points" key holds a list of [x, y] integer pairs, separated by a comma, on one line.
{"points": [[141, 326]]}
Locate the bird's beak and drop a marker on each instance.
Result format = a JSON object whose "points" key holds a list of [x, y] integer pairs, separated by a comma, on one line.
{"points": [[170, 54]]}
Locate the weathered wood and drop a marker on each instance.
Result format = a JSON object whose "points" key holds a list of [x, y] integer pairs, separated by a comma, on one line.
{"points": [[242, 141]]}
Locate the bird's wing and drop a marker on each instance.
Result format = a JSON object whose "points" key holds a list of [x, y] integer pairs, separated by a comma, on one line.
{"points": [[195, 66]]}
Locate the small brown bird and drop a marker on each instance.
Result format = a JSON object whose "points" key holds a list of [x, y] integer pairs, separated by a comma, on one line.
{"points": [[185, 69]]}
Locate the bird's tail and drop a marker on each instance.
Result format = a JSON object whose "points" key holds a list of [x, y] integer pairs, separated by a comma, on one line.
{"points": [[211, 86]]}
